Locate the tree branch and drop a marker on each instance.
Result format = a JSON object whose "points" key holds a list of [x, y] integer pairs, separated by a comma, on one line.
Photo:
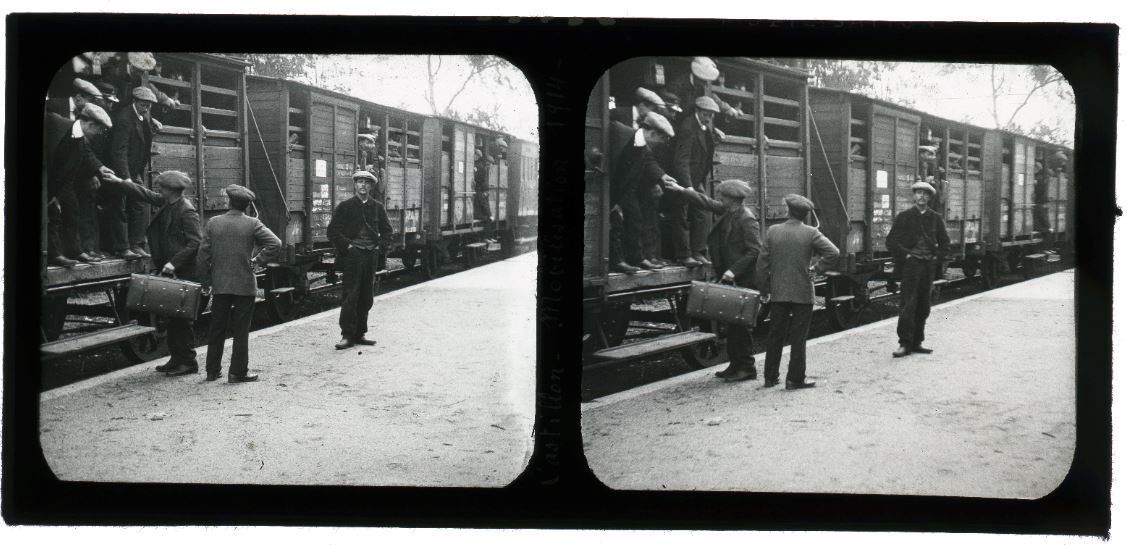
{"points": [[466, 82], [1030, 95]]}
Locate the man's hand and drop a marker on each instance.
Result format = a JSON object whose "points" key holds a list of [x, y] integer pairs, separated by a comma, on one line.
{"points": [[206, 291], [157, 125], [729, 276], [94, 183], [616, 212], [168, 269]]}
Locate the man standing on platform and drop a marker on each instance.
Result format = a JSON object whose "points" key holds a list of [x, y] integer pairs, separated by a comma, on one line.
{"points": [[784, 272], [226, 271], [358, 226], [918, 242], [735, 246]]}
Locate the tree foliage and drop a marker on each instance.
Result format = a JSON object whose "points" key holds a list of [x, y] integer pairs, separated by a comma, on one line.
{"points": [[496, 69]]}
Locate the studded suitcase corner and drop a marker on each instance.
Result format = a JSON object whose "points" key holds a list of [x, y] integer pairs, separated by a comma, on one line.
{"points": [[731, 304], [167, 297]]}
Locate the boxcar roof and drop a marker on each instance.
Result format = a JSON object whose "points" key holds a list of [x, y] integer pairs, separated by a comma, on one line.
{"points": [[235, 61], [343, 96], [924, 114]]}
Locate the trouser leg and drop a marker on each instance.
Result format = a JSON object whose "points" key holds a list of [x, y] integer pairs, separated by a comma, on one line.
{"points": [[115, 224], [181, 341], [87, 199], [798, 330], [220, 318], [139, 213], [364, 298], [700, 223], [648, 235], [350, 283], [678, 222], [740, 348], [242, 311], [631, 228], [912, 281], [923, 303], [66, 232], [776, 337]]}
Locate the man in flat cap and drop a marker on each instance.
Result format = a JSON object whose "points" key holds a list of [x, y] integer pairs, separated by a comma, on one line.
{"points": [[174, 238], [785, 275], [70, 107], [918, 242], [735, 245], [130, 147], [693, 150], [694, 83], [225, 266], [68, 161], [358, 227], [633, 171], [645, 101]]}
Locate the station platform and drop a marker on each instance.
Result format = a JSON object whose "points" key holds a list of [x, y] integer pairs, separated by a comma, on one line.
{"points": [[447, 398], [991, 413]]}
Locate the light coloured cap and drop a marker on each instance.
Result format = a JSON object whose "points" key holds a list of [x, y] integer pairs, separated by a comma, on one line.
{"points": [[501, 142], [798, 203], [646, 95], [173, 179], [144, 93], [657, 121], [707, 104], [736, 189], [86, 87], [142, 61], [236, 191], [363, 175], [704, 68], [95, 113], [931, 149], [924, 186], [367, 137]]}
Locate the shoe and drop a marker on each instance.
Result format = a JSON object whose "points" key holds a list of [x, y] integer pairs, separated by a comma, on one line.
{"points": [[703, 260], [768, 383], [344, 343], [647, 264], [623, 267], [727, 372], [741, 375], [212, 376], [361, 340], [87, 257], [688, 262], [901, 352], [140, 251], [799, 385], [165, 367], [241, 378], [921, 350], [126, 254], [182, 369], [63, 262]]}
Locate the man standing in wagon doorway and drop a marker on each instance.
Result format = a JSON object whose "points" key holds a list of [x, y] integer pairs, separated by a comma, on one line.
{"points": [[918, 242]]}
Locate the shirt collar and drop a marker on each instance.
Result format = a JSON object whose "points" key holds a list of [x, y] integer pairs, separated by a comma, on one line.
{"points": [[639, 139], [703, 127], [634, 116], [76, 130], [71, 107], [138, 114]]}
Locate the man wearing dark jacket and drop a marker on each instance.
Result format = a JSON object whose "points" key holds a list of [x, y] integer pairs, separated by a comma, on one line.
{"points": [[174, 238], [225, 268], [735, 246], [693, 150], [645, 101], [918, 242], [356, 230], [634, 171], [784, 273], [67, 161], [130, 146]]}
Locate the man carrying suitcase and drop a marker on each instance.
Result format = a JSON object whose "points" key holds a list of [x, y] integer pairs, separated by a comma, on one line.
{"points": [[174, 238], [784, 272], [225, 268]]}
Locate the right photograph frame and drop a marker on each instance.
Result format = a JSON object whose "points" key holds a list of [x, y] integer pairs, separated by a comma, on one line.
{"points": [[809, 223]]}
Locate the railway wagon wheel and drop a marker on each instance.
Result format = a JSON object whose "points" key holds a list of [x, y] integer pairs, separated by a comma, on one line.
{"points": [[845, 314], [53, 316], [146, 347], [989, 270], [283, 292], [431, 262], [708, 353]]}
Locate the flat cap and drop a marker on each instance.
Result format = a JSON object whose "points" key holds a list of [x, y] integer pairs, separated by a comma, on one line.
{"points": [[736, 189], [704, 68], [142, 61], [173, 179], [924, 186], [95, 113], [144, 93], [236, 191], [658, 122], [798, 203], [500, 141], [707, 104], [931, 149], [109, 92], [646, 95], [86, 87], [367, 137], [363, 175]]}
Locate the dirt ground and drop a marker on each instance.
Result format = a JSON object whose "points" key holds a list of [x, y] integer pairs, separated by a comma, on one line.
{"points": [[445, 399], [990, 414]]}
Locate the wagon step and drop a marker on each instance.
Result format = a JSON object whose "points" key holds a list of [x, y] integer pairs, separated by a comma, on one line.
{"points": [[643, 349], [90, 341]]}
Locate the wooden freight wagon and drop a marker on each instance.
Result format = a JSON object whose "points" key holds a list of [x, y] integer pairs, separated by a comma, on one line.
{"points": [[522, 213], [766, 145]]}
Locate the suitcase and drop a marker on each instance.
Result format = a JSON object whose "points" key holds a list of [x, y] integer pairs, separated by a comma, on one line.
{"points": [[163, 296], [724, 303]]}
